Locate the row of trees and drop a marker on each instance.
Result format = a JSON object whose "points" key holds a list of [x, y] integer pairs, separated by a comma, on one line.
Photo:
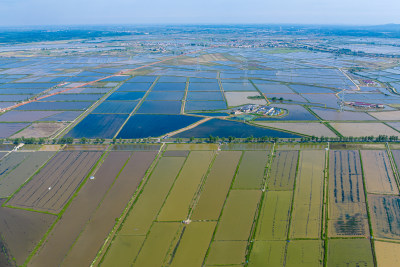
{"points": [[210, 139]]}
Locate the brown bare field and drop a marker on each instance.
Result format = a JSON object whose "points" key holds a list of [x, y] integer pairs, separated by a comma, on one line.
{"points": [[307, 128], [385, 216], [378, 173], [42, 129], [68, 228], [387, 254], [101, 223], [22, 231], [52, 187], [363, 129], [347, 209], [386, 116], [50, 148], [283, 170]]}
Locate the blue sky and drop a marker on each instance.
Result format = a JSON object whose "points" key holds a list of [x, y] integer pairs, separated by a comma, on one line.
{"points": [[65, 12]]}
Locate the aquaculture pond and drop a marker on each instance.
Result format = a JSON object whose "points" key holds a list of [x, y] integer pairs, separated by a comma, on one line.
{"points": [[140, 125], [204, 105], [204, 96], [207, 86], [225, 128], [74, 97], [63, 116], [126, 96], [238, 87], [169, 87], [142, 79], [169, 95], [132, 87], [160, 107], [308, 89], [81, 105], [116, 107], [98, 126]]}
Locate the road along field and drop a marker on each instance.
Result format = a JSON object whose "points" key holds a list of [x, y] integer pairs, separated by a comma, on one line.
{"points": [[52, 187], [347, 206]]}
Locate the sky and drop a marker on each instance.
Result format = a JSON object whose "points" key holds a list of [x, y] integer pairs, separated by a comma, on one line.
{"points": [[78, 12]]}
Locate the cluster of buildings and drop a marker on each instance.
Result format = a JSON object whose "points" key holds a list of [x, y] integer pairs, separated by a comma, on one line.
{"points": [[259, 110], [364, 105]]}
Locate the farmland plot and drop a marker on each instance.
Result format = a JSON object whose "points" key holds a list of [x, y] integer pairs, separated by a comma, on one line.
{"points": [[216, 187], [13, 180], [157, 244], [240, 208], [275, 214], [226, 253], [385, 216], [149, 203], [267, 253], [347, 209], [22, 230], [11, 161], [102, 221], [136, 225], [178, 202], [68, 228], [251, 170], [307, 207], [387, 254], [349, 252], [304, 253], [283, 170], [378, 173], [193, 245], [52, 187], [123, 250]]}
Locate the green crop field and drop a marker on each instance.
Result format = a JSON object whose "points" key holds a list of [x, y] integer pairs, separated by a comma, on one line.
{"points": [[198, 205]]}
